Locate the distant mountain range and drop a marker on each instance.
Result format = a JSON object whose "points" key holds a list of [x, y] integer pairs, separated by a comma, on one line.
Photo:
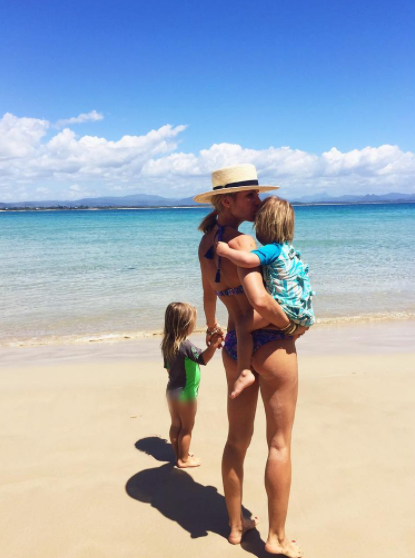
{"points": [[144, 200]]}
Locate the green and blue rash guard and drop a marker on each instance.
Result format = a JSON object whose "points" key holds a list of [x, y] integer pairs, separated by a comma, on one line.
{"points": [[184, 372]]}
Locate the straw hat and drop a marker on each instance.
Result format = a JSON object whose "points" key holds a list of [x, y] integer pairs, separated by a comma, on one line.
{"points": [[230, 180]]}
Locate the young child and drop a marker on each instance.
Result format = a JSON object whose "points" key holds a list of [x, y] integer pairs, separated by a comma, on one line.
{"points": [[285, 275], [182, 359]]}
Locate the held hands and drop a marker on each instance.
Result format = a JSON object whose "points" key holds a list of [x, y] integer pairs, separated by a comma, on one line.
{"points": [[215, 336], [216, 341]]}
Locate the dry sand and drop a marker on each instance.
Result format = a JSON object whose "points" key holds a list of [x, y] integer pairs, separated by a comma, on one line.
{"points": [[85, 473]]}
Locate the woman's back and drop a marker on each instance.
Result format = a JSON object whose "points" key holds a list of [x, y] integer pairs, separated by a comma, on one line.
{"points": [[236, 304]]}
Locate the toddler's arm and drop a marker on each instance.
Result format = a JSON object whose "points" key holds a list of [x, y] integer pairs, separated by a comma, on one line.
{"points": [[238, 257]]}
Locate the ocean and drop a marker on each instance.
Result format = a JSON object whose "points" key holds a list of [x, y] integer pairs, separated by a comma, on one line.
{"points": [[79, 276]]}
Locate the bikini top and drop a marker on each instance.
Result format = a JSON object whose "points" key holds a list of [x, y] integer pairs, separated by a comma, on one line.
{"points": [[210, 254]]}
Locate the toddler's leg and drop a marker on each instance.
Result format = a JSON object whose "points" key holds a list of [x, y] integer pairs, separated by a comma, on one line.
{"points": [[244, 327], [187, 411], [175, 426]]}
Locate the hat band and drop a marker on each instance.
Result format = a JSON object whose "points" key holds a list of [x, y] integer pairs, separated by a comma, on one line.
{"points": [[237, 184]]}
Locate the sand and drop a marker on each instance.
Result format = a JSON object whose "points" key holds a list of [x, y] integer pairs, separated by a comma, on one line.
{"points": [[85, 471]]}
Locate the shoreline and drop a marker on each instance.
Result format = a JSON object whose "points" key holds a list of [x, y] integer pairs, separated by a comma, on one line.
{"points": [[338, 339], [122, 337]]}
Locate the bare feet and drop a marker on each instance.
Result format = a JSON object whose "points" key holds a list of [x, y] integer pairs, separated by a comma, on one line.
{"points": [[191, 461], [284, 548], [244, 380], [236, 534]]}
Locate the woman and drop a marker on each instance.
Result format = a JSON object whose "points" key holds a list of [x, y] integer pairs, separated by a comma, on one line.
{"points": [[235, 199]]}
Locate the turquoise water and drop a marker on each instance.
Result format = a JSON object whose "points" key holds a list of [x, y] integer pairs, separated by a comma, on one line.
{"points": [[73, 275]]}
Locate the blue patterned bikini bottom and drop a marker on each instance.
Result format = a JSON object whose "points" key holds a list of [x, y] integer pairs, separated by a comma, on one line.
{"points": [[260, 336]]}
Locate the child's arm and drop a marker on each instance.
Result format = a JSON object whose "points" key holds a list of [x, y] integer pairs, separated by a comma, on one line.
{"points": [[238, 257]]}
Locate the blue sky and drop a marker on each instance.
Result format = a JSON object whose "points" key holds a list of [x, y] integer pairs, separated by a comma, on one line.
{"points": [[308, 76]]}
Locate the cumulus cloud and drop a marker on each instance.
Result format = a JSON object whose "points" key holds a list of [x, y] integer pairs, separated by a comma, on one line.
{"points": [[92, 116], [19, 137], [66, 165]]}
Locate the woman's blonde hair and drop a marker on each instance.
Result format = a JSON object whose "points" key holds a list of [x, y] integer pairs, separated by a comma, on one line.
{"points": [[179, 319], [274, 221], [209, 221]]}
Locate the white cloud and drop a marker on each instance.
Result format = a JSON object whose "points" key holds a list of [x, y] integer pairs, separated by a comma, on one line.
{"points": [[42, 190], [92, 116], [76, 166], [19, 137]]}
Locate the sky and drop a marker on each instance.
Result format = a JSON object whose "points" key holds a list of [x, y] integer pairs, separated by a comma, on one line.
{"points": [[101, 98]]}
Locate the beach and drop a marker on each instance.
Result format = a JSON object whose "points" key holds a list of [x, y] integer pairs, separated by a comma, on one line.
{"points": [[131, 144], [86, 471]]}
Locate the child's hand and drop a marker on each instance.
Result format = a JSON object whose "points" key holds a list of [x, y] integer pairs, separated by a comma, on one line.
{"points": [[222, 248], [218, 331], [216, 340], [300, 331]]}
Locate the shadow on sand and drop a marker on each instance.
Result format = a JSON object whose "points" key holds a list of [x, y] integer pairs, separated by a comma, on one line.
{"points": [[175, 494]]}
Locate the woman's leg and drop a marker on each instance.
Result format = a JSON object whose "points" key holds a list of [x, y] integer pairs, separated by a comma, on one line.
{"points": [[241, 415], [175, 425], [246, 324], [276, 363], [187, 412]]}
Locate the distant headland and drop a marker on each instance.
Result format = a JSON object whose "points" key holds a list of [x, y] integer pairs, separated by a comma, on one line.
{"points": [[144, 201]]}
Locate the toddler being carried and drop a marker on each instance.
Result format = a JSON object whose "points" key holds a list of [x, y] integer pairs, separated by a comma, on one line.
{"points": [[285, 275]]}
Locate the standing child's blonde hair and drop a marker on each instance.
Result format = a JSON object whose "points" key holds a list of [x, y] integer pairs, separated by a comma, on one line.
{"points": [[179, 321], [274, 221]]}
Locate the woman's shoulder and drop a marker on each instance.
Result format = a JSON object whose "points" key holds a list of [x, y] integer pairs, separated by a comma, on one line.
{"points": [[205, 242], [242, 242]]}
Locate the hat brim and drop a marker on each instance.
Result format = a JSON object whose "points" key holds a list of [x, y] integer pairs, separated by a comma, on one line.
{"points": [[207, 196]]}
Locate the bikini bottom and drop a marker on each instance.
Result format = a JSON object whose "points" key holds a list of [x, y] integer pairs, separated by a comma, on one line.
{"points": [[260, 336]]}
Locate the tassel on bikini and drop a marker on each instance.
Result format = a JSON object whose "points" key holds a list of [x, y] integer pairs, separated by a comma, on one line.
{"points": [[210, 254]]}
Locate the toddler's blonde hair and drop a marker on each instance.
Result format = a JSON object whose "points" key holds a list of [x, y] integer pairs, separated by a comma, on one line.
{"points": [[274, 221], [179, 320]]}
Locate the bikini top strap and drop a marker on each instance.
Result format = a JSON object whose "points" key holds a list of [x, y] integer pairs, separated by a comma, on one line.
{"points": [[210, 254], [219, 234]]}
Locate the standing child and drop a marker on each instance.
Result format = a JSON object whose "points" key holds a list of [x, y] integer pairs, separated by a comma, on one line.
{"points": [[182, 359], [285, 275]]}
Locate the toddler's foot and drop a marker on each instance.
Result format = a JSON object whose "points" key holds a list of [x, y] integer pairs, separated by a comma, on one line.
{"points": [[237, 533], [191, 461], [284, 548], [244, 380]]}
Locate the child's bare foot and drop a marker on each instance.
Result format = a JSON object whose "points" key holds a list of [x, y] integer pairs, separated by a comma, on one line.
{"points": [[237, 533], [244, 380], [284, 548], [191, 461]]}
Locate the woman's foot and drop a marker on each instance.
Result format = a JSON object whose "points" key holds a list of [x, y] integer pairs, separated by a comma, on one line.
{"points": [[244, 380], [191, 461], [284, 548], [236, 534]]}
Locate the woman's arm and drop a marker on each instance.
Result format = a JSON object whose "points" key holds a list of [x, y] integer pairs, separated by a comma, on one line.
{"points": [[209, 303], [238, 257]]}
